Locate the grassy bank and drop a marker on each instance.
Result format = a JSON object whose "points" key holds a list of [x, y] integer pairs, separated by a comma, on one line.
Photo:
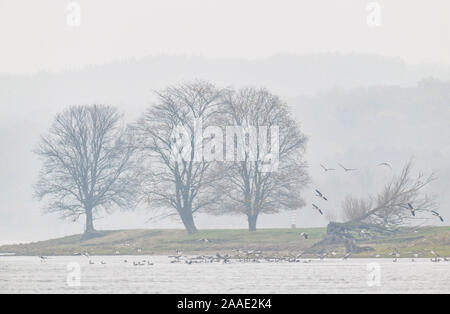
{"points": [[270, 241]]}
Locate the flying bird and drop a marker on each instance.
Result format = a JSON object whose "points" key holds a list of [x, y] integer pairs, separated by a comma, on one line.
{"points": [[385, 164], [347, 169], [319, 194], [305, 235], [435, 213], [412, 209], [327, 169], [317, 208]]}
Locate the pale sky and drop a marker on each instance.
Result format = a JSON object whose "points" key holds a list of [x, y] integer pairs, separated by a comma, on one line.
{"points": [[34, 35]]}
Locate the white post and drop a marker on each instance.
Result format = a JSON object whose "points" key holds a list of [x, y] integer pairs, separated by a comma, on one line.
{"points": [[294, 219]]}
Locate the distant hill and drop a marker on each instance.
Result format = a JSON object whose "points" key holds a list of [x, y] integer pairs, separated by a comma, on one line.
{"points": [[288, 75]]}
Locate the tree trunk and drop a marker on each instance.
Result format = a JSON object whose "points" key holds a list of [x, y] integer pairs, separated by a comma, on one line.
{"points": [[339, 234], [252, 222], [89, 222], [188, 220]]}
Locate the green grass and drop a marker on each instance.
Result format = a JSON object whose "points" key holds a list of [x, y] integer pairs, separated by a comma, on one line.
{"points": [[270, 241]]}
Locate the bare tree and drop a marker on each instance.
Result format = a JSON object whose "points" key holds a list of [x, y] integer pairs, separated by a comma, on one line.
{"points": [[176, 177], [354, 208], [402, 201], [87, 164], [331, 216], [264, 178]]}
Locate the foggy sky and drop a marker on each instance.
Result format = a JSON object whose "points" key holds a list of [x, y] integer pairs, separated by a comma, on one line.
{"points": [[35, 36]]}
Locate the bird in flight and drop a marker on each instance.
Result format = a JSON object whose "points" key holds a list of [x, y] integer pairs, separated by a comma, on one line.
{"points": [[347, 169], [435, 213], [305, 235], [385, 164], [412, 209], [317, 208], [319, 194], [327, 169]]}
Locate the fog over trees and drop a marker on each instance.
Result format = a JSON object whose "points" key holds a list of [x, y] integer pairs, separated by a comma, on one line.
{"points": [[266, 178], [382, 111], [174, 158], [173, 178], [189, 168]]}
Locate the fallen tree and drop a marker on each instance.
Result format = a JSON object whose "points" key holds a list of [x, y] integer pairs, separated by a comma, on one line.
{"points": [[399, 204]]}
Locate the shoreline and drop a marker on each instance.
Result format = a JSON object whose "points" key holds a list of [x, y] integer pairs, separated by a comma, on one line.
{"points": [[272, 242]]}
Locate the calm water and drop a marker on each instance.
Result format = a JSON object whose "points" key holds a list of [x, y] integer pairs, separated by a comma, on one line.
{"points": [[30, 275]]}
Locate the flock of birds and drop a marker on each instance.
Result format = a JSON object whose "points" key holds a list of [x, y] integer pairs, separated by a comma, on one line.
{"points": [[409, 206], [436, 257], [383, 164], [256, 256], [253, 256], [322, 196], [345, 168]]}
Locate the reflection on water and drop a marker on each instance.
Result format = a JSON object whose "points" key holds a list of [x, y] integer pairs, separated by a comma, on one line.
{"points": [[60, 274]]}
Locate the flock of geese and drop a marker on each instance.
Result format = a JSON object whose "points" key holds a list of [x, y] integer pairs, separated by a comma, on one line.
{"points": [[253, 256], [409, 206], [322, 196], [383, 164], [257, 256], [435, 259]]}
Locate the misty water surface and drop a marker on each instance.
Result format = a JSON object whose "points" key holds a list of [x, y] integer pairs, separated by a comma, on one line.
{"points": [[30, 275]]}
